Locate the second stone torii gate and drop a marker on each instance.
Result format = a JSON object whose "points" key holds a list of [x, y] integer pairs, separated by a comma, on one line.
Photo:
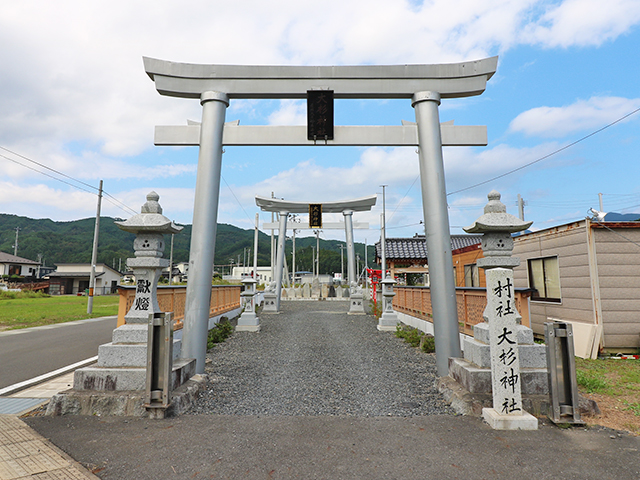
{"points": [[425, 85], [285, 207]]}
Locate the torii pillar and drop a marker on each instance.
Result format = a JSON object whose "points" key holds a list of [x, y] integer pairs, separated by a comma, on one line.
{"points": [[425, 85], [285, 207]]}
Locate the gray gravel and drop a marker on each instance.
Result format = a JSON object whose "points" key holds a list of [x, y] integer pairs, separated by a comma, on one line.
{"points": [[314, 359]]}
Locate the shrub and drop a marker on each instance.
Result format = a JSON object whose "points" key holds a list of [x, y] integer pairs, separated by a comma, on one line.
{"points": [[220, 332], [428, 343]]}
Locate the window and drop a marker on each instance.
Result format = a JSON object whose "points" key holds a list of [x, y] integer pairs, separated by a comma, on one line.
{"points": [[471, 276], [544, 278]]}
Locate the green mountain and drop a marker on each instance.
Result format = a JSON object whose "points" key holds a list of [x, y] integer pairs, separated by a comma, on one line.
{"points": [[71, 242]]}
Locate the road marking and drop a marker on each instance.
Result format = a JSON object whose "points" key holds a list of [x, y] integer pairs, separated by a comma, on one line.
{"points": [[19, 331], [47, 376]]}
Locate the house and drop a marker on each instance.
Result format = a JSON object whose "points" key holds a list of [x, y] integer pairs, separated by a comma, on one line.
{"points": [[586, 273], [73, 278], [409, 256], [13, 265]]}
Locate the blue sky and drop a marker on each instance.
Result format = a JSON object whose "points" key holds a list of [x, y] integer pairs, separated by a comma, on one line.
{"points": [[74, 97]]}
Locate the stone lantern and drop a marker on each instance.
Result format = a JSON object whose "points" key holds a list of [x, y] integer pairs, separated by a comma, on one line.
{"points": [[115, 385], [149, 227]]}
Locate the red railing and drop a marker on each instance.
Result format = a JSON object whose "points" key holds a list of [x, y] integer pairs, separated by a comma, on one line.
{"points": [[224, 298], [416, 301]]}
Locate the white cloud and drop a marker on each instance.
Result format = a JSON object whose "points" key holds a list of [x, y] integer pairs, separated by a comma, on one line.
{"points": [[291, 112], [74, 94], [582, 23], [580, 116]]}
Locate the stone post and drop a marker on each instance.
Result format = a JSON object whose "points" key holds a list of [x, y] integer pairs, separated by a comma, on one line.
{"points": [[497, 225]]}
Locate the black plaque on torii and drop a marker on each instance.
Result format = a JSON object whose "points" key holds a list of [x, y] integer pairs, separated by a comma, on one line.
{"points": [[319, 115], [315, 215]]}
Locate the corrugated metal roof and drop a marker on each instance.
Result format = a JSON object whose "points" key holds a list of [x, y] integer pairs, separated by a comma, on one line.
{"points": [[416, 248]]}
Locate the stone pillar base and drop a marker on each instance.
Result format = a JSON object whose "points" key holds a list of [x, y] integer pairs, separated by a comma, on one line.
{"points": [[356, 304], [270, 304], [497, 421], [248, 328], [386, 328], [388, 321], [248, 322]]}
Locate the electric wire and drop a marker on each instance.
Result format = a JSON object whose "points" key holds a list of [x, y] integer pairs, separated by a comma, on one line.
{"points": [[48, 168], [548, 155], [115, 202], [234, 196], [613, 231]]}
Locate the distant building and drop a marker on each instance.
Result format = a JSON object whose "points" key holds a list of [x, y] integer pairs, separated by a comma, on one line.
{"points": [[73, 278], [13, 265], [409, 255]]}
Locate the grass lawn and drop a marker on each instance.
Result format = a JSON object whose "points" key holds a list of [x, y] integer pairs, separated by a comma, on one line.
{"points": [[615, 385], [32, 312]]}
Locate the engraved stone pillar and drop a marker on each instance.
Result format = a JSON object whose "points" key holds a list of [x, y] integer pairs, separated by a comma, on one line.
{"points": [[503, 319]]}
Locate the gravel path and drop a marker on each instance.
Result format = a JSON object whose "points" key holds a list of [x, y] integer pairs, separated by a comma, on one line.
{"points": [[314, 359]]}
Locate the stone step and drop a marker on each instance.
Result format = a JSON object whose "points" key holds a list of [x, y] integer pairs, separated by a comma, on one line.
{"points": [[531, 356], [534, 381], [129, 354], [97, 378]]}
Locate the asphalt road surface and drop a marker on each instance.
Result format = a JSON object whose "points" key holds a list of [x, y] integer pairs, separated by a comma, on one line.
{"points": [[31, 352]]}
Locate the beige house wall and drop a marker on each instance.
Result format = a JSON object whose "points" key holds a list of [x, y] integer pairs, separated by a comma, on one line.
{"points": [[569, 244], [618, 258]]}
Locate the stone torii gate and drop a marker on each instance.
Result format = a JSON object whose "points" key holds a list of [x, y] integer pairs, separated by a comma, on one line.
{"points": [[425, 85], [285, 207]]}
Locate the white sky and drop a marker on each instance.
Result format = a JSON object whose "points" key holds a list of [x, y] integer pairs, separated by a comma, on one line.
{"points": [[74, 97]]}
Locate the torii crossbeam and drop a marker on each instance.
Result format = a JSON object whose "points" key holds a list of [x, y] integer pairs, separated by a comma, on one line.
{"points": [[425, 85]]}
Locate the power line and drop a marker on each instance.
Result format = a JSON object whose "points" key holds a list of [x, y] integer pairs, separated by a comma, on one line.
{"points": [[48, 168], [234, 196], [548, 155], [115, 202], [45, 174], [400, 202]]}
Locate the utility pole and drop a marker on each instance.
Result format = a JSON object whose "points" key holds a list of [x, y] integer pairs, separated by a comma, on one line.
{"points": [[521, 204], [293, 260], [383, 239], [318, 252], [171, 261], [342, 247], [255, 251], [313, 262], [273, 246], [94, 254], [15, 246]]}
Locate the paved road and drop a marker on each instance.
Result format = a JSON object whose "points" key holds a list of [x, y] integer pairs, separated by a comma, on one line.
{"points": [[30, 352]]}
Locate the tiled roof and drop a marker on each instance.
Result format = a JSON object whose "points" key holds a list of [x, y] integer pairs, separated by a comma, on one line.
{"points": [[416, 248], [8, 258]]}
